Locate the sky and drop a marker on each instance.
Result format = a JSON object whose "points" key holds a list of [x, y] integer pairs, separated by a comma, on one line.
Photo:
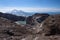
{"points": [[30, 5]]}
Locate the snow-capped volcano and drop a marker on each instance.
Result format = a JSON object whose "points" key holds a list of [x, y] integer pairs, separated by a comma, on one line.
{"points": [[20, 13]]}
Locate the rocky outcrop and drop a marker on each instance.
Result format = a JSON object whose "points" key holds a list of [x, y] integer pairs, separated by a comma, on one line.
{"points": [[51, 25], [29, 20], [35, 19]]}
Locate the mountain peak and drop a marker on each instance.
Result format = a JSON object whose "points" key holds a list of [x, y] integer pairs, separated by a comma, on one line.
{"points": [[20, 13]]}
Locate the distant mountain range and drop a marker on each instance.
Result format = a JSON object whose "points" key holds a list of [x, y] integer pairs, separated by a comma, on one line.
{"points": [[20, 13]]}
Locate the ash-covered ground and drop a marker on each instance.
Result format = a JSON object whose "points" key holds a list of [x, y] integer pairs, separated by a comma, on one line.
{"points": [[37, 27]]}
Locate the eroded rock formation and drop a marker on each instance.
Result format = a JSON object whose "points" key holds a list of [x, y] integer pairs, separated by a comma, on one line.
{"points": [[36, 21], [36, 18]]}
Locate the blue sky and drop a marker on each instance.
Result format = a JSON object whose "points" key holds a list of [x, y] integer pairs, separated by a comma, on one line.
{"points": [[30, 5]]}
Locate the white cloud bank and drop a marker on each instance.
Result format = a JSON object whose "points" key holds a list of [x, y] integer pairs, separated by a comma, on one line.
{"points": [[6, 9]]}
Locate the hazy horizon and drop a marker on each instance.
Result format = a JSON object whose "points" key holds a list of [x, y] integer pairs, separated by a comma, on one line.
{"points": [[30, 5]]}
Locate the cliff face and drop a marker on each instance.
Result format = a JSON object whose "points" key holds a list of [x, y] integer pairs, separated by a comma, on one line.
{"points": [[36, 18]]}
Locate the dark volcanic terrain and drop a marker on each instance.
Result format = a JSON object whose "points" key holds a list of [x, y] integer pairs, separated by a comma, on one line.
{"points": [[12, 17], [40, 27]]}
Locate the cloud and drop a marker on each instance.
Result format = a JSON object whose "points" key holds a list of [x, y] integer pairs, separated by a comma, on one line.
{"points": [[30, 9]]}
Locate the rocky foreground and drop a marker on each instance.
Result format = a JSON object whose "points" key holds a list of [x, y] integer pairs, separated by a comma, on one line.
{"points": [[49, 29]]}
